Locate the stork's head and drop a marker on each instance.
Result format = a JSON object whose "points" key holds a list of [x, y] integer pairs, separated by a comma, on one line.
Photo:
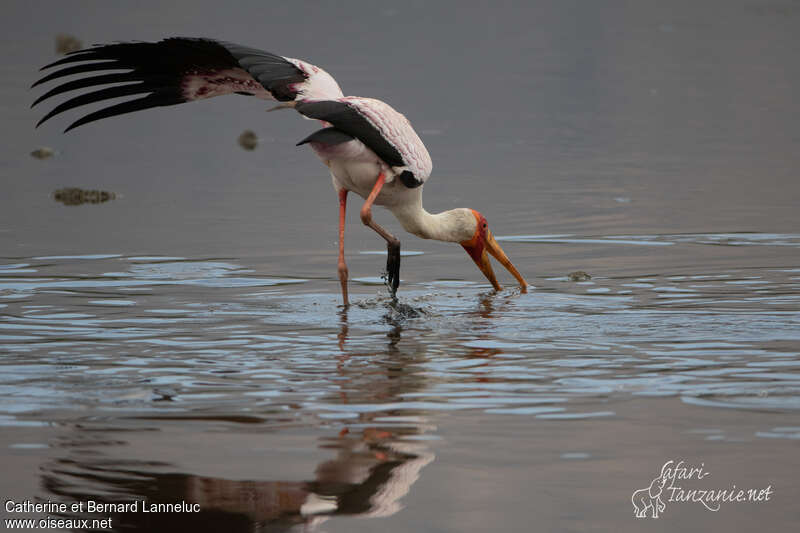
{"points": [[481, 242]]}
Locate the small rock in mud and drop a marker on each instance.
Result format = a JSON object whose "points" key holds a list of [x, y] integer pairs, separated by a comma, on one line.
{"points": [[248, 140], [66, 43], [43, 153], [579, 275], [76, 196]]}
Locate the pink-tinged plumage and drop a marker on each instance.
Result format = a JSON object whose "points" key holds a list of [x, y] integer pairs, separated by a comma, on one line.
{"points": [[396, 128], [198, 85], [370, 148], [319, 86]]}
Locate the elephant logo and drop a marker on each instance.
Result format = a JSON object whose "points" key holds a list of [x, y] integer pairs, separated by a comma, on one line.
{"points": [[650, 498]]}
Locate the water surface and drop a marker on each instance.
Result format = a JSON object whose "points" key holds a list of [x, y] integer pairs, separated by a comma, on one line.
{"points": [[184, 339]]}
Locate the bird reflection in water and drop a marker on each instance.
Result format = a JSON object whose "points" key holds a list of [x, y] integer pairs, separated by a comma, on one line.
{"points": [[372, 471], [377, 459]]}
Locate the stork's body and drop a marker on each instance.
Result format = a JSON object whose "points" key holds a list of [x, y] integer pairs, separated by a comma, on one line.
{"points": [[370, 148]]}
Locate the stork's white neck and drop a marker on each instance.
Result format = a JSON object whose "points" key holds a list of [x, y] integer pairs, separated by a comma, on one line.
{"points": [[455, 225]]}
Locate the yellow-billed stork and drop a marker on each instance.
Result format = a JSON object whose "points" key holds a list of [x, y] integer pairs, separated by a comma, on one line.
{"points": [[370, 148]]}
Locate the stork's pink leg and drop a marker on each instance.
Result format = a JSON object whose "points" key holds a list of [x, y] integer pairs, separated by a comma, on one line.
{"points": [[393, 243], [342, 267]]}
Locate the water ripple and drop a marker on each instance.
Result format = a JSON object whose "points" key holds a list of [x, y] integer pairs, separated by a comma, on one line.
{"points": [[717, 239], [199, 341]]}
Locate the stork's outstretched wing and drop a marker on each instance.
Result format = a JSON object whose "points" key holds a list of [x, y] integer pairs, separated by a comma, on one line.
{"points": [[179, 69]]}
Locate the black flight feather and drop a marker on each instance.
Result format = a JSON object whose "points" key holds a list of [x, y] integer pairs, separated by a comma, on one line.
{"points": [[80, 69], [151, 100], [329, 136], [80, 83], [270, 70], [409, 180]]}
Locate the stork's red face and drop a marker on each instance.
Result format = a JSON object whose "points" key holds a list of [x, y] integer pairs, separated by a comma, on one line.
{"points": [[481, 243]]}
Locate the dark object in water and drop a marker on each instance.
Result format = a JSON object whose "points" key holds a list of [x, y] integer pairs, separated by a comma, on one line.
{"points": [[579, 275], [76, 196], [248, 140], [43, 153], [66, 43]]}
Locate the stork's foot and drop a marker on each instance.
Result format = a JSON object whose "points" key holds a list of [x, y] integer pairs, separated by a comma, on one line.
{"points": [[393, 266]]}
